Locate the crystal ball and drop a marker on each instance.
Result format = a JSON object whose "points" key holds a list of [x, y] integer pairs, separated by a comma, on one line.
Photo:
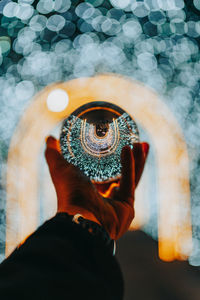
{"points": [[93, 136]]}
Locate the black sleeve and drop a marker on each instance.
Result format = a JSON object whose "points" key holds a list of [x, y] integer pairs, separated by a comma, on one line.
{"points": [[61, 260]]}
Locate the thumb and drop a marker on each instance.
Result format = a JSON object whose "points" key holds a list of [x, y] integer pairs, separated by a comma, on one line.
{"points": [[53, 156]]}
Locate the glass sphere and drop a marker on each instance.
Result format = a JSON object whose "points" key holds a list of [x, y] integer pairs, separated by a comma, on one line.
{"points": [[93, 136]]}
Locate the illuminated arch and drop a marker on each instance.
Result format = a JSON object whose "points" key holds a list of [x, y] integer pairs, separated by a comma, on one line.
{"points": [[154, 117]]}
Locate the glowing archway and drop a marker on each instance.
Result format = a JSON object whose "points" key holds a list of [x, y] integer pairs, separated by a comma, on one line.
{"points": [[154, 117]]}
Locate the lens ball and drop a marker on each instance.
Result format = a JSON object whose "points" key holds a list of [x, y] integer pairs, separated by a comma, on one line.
{"points": [[93, 136]]}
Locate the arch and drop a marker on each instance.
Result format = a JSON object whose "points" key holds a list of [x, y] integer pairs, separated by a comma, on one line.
{"points": [[153, 115]]}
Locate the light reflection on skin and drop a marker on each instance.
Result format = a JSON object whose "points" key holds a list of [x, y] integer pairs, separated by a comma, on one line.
{"points": [[171, 154]]}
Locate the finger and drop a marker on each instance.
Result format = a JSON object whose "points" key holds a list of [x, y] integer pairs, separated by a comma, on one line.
{"points": [[127, 181], [53, 156], [51, 142], [140, 152]]}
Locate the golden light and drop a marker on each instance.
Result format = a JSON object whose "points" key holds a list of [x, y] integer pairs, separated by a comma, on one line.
{"points": [[23, 207]]}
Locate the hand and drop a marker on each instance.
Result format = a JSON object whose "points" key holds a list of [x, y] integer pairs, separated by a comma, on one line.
{"points": [[76, 193]]}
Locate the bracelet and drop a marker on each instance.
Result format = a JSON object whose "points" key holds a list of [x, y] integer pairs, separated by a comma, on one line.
{"points": [[94, 229]]}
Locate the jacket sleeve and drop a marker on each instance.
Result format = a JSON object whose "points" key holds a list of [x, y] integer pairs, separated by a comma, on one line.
{"points": [[61, 260]]}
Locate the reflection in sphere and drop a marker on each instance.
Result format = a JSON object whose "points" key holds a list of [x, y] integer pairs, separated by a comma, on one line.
{"points": [[93, 136]]}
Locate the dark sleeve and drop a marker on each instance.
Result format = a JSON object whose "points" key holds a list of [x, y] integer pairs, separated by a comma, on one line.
{"points": [[61, 260]]}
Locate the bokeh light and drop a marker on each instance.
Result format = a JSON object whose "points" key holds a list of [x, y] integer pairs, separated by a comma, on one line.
{"points": [[155, 42]]}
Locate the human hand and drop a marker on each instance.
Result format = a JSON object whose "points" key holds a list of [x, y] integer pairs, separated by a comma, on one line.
{"points": [[77, 195]]}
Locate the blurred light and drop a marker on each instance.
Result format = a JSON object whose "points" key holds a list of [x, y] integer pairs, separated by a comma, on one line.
{"points": [[24, 11], [192, 29], [24, 90], [164, 30], [157, 17], [69, 29], [62, 6], [26, 1], [120, 3], [45, 6], [165, 70], [55, 23], [174, 14], [194, 259], [95, 3], [158, 44], [84, 26], [117, 14], [178, 4], [153, 5], [82, 40], [140, 9], [38, 64], [57, 100], [147, 61], [3, 4], [196, 4], [132, 29], [10, 9], [38, 23], [25, 38], [111, 26], [85, 10], [5, 44], [14, 27], [1, 58], [172, 4], [144, 46], [178, 26], [97, 22], [62, 46], [197, 27]]}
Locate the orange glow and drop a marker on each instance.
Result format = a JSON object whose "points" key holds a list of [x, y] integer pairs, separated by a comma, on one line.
{"points": [[151, 113], [106, 194]]}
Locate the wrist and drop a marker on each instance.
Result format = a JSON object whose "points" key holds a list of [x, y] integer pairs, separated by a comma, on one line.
{"points": [[81, 211], [95, 230]]}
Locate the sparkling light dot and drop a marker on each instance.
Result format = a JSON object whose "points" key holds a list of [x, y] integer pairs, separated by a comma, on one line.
{"points": [[57, 100]]}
